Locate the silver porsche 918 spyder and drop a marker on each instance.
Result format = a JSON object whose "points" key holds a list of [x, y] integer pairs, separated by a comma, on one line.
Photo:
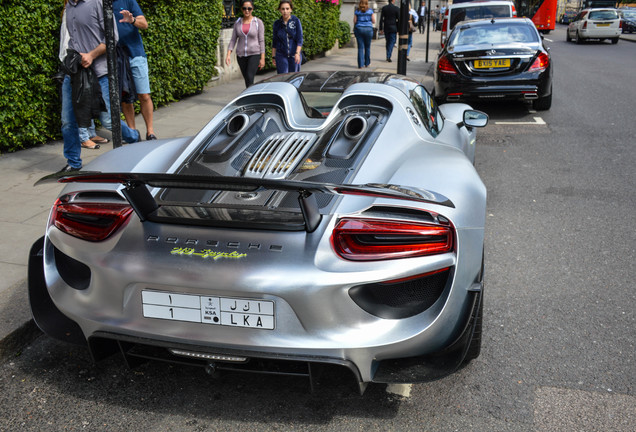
{"points": [[321, 218]]}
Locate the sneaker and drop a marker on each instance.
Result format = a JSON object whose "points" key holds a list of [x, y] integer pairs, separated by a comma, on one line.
{"points": [[69, 169], [389, 60]]}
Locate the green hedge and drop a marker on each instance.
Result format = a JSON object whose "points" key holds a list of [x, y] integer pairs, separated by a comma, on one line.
{"points": [[181, 44], [345, 34]]}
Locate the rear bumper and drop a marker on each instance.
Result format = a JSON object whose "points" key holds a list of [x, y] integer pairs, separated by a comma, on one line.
{"points": [[600, 33], [365, 366], [527, 86], [486, 93]]}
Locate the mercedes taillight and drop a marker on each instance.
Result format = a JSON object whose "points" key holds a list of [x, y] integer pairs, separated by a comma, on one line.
{"points": [[444, 65], [358, 239], [540, 63]]}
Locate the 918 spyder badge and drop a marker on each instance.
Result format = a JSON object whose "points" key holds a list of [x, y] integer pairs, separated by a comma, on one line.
{"points": [[207, 253]]}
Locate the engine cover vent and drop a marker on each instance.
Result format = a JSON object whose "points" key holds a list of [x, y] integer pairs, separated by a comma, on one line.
{"points": [[279, 155]]}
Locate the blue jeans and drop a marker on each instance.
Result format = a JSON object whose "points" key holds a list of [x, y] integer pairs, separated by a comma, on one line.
{"points": [[87, 133], [390, 43], [70, 133], [127, 134], [286, 64], [364, 36]]}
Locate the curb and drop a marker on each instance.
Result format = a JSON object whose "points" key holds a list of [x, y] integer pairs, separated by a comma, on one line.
{"points": [[18, 328]]}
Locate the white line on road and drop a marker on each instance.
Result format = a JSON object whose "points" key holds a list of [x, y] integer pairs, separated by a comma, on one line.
{"points": [[537, 121]]}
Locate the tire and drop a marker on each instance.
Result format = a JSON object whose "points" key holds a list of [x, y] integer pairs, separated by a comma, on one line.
{"points": [[567, 36], [615, 40], [474, 349], [543, 103], [578, 39]]}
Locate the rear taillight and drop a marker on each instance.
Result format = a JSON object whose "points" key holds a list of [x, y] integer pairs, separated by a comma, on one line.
{"points": [[620, 24], [373, 240], [540, 63], [444, 25], [445, 66], [584, 25], [86, 220]]}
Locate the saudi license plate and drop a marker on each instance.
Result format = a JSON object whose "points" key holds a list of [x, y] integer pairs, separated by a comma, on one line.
{"points": [[224, 311], [492, 63]]}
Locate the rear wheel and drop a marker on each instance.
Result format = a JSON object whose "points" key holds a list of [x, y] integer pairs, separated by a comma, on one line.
{"points": [[577, 38], [567, 36], [615, 40], [543, 103]]}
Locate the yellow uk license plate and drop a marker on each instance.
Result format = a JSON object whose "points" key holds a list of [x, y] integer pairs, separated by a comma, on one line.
{"points": [[494, 63], [602, 25]]}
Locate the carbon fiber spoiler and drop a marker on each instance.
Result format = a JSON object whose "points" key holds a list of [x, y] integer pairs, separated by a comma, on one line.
{"points": [[144, 203]]}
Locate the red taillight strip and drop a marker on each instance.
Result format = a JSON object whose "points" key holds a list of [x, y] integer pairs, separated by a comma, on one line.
{"points": [[373, 240], [89, 221]]}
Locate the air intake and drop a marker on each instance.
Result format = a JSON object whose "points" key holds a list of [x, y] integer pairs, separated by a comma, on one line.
{"points": [[279, 155]]}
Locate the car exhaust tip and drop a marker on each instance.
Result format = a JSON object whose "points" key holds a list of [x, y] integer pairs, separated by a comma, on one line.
{"points": [[453, 98], [237, 124], [530, 96], [355, 126]]}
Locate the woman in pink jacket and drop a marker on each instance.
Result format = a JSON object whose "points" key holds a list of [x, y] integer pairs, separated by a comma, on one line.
{"points": [[248, 36]]}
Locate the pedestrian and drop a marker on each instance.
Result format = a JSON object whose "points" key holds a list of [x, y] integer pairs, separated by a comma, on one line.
{"points": [[363, 21], [249, 33], [435, 17], [287, 40], [389, 17], [84, 21], [412, 28], [88, 138], [421, 22], [130, 19]]}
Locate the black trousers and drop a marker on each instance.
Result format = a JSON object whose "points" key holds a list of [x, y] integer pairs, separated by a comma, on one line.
{"points": [[249, 66]]}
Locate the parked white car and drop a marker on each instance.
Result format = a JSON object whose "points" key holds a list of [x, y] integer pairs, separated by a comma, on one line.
{"points": [[478, 9], [595, 24]]}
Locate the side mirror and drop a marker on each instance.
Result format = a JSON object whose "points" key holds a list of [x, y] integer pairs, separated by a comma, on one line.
{"points": [[474, 118]]}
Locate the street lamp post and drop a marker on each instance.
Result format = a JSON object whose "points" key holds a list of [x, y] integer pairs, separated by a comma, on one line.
{"points": [[113, 79], [403, 32]]}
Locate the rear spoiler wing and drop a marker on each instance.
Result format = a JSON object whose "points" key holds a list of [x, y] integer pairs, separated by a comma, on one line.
{"points": [[143, 203]]}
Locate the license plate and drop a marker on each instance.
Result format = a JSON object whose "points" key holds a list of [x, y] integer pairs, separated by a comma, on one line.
{"points": [[494, 63], [224, 311], [603, 25]]}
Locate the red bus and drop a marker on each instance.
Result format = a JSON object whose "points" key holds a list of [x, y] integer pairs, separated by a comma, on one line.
{"points": [[541, 12]]}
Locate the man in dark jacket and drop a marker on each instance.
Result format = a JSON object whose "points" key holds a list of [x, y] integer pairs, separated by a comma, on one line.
{"points": [[389, 26], [85, 24]]}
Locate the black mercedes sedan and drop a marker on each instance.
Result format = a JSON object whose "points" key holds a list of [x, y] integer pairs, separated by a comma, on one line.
{"points": [[495, 59]]}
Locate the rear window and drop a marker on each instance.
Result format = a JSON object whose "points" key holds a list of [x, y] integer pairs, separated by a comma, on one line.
{"points": [[478, 12], [603, 15], [493, 34]]}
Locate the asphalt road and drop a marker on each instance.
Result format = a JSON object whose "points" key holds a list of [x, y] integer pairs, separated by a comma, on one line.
{"points": [[559, 351]]}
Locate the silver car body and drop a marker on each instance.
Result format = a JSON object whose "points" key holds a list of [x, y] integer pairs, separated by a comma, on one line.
{"points": [[143, 282]]}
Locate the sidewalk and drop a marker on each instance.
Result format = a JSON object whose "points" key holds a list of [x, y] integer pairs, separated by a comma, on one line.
{"points": [[24, 208]]}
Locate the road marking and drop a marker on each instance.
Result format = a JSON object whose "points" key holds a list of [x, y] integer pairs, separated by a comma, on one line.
{"points": [[403, 390], [537, 121], [549, 40]]}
